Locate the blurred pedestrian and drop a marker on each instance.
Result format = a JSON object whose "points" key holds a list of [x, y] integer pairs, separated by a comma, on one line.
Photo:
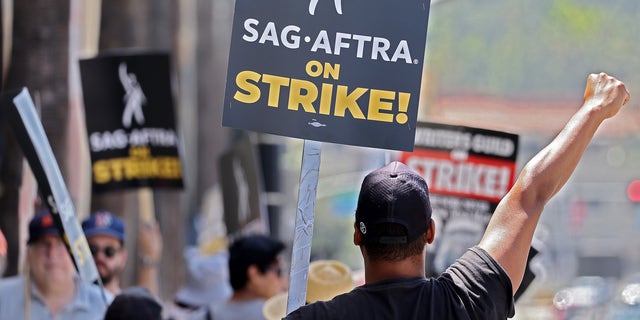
{"points": [[105, 234], [134, 303], [393, 225], [326, 279], [50, 288], [207, 283], [207, 264], [255, 273]]}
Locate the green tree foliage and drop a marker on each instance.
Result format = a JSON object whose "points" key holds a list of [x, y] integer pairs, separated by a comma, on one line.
{"points": [[534, 49]]}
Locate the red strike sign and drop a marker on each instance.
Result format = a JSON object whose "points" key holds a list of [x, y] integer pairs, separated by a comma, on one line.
{"points": [[465, 176]]}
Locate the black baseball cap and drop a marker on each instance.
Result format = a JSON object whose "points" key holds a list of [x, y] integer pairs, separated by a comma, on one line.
{"points": [[393, 194], [40, 225]]}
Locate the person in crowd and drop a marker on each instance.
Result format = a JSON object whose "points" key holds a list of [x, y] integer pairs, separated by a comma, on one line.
{"points": [[105, 234], [326, 279], [255, 273], [50, 288], [135, 303], [207, 282], [207, 263], [393, 225]]}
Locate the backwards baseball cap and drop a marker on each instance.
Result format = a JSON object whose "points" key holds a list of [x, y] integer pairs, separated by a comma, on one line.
{"points": [[393, 194], [103, 223], [41, 224]]}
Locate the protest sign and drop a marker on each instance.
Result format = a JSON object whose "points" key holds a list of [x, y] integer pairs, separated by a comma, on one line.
{"points": [[468, 171], [243, 189], [334, 71], [20, 113], [324, 71], [130, 121]]}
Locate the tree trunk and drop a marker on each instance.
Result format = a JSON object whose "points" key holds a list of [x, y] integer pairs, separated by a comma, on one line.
{"points": [[39, 61], [214, 26]]}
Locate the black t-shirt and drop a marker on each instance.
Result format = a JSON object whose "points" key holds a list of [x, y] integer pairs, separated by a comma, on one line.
{"points": [[474, 287]]}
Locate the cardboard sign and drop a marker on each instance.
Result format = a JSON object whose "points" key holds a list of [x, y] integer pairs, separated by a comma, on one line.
{"points": [[336, 71], [468, 171], [130, 121], [20, 113], [243, 189]]}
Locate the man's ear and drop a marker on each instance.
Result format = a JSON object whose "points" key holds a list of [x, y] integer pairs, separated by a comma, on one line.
{"points": [[125, 255], [357, 236], [252, 272], [431, 232]]}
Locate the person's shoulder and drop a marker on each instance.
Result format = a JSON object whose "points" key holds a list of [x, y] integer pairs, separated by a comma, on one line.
{"points": [[11, 290], [476, 271], [95, 293], [10, 284], [331, 309], [217, 309], [477, 260], [251, 309], [95, 290], [304, 312]]}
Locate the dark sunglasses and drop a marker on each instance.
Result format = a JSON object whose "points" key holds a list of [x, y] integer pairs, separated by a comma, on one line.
{"points": [[108, 252]]}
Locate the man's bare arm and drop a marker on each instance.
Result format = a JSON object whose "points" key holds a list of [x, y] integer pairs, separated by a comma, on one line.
{"points": [[150, 248], [510, 231]]}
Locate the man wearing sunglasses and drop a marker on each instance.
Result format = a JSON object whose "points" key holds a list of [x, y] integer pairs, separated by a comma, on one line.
{"points": [[105, 235], [50, 288]]}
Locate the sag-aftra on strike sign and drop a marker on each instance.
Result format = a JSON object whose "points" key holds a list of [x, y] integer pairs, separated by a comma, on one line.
{"points": [[328, 70]]}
